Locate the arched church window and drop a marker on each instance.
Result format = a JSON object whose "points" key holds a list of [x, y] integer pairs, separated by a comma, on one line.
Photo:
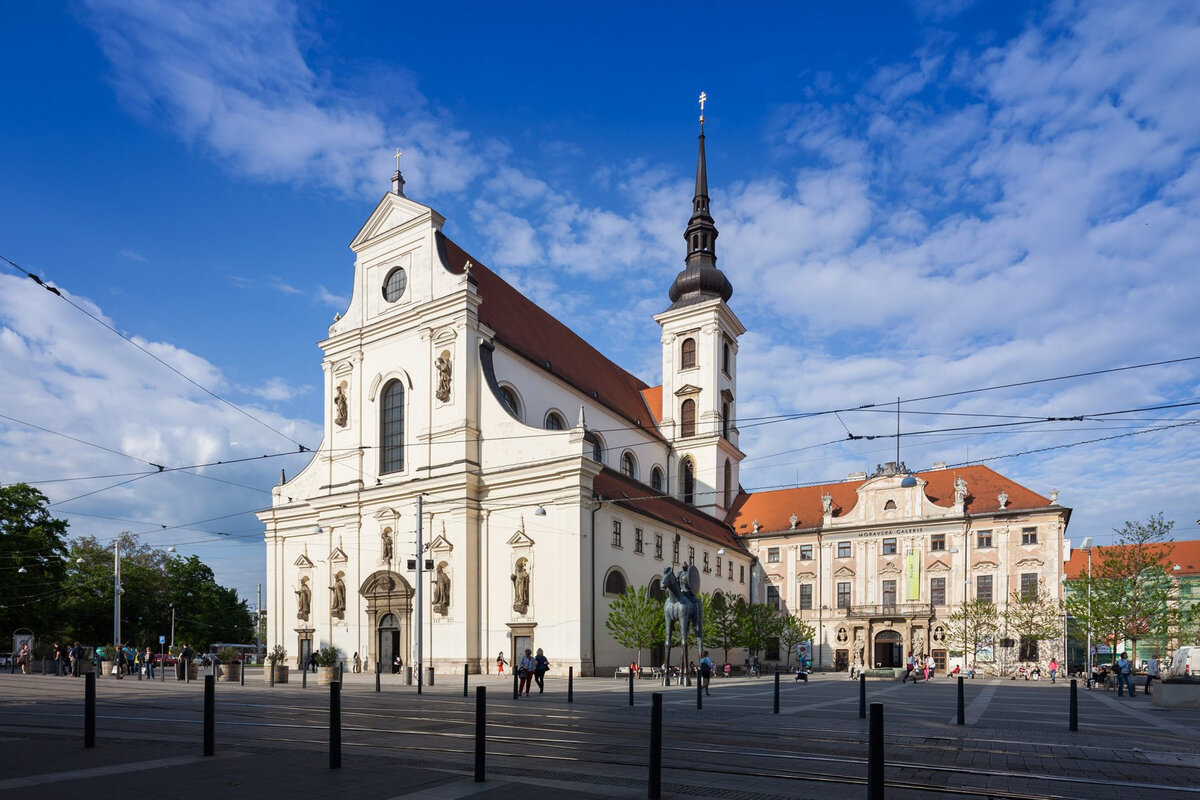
{"points": [[597, 446], [728, 483], [391, 429], [555, 422], [695, 241], [725, 419], [687, 353], [656, 479], [687, 418], [725, 356], [614, 582], [628, 465], [509, 398], [687, 479]]}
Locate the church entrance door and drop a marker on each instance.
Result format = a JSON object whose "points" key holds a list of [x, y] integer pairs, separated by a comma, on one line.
{"points": [[888, 650], [389, 642]]}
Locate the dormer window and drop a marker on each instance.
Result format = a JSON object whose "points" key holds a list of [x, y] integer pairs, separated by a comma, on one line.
{"points": [[687, 354]]}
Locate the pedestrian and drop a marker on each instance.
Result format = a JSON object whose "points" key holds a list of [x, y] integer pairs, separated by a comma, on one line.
{"points": [[58, 658], [929, 665], [76, 656], [500, 662], [1053, 667], [540, 667], [525, 672], [397, 665], [1151, 673], [728, 669], [910, 664], [357, 663], [148, 660], [706, 670], [1124, 675], [312, 661], [184, 663], [23, 659]]}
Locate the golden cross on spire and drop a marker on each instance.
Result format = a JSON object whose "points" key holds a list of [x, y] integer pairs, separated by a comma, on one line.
{"points": [[703, 99], [397, 157]]}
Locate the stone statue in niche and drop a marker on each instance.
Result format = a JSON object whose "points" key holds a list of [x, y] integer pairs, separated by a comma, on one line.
{"points": [[827, 503], [441, 590], [918, 643], [1003, 499], [341, 407], [303, 600], [443, 368], [337, 597], [388, 551], [520, 581], [960, 490], [860, 645]]}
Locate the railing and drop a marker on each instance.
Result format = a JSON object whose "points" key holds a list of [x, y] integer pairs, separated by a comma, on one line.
{"points": [[889, 610]]}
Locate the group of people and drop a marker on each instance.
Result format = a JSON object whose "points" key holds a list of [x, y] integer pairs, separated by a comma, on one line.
{"points": [[1123, 672], [531, 668], [914, 666], [71, 660]]}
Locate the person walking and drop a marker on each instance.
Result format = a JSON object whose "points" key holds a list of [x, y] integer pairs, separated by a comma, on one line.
{"points": [[500, 662], [357, 663], [1124, 675], [540, 667], [312, 661], [706, 670], [1151, 673], [930, 665], [184, 664], [525, 672], [76, 656], [23, 659], [910, 664], [148, 660], [1053, 668]]}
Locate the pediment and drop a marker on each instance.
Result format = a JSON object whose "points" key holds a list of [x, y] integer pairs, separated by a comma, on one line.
{"points": [[844, 572], [441, 544], [392, 212], [810, 575], [303, 561], [520, 539], [986, 566], [687, 388], [1031, 562], [337, 554], [889, 569], [778, 579], [938, 566]]}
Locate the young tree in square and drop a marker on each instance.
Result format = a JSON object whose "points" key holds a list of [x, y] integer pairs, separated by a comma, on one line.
{"points": [[1032, 617], [721, 630], [793, 631], [635, 620], [970, 627], [1133, 580], [759, 625]]}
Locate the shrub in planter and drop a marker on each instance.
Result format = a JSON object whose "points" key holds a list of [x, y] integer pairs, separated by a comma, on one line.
{"points": [[277, 665], [231, 667], [327, 661]]}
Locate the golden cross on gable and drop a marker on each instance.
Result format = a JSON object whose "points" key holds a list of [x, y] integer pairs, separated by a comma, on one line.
{"points": [[397, 157], [703, 98]]}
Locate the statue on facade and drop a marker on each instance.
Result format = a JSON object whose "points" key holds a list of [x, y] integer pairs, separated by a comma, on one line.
{"points": [[341, 407], [441, 591], [520, 581], [337, 598], [388, 551], [303, 600], [860, 646], [960, 490], [827, 503], [1002, 498], [443, 368], [918, 643]]}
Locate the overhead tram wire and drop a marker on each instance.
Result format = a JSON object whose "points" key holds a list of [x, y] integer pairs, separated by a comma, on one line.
{"points": [[57, 293]]}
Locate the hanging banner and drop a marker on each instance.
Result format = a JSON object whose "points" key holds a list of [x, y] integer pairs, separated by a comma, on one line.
{"points": [[912, 577]]}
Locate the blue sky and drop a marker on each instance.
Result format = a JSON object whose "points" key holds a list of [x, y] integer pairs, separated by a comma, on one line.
{"points": [[913, 199]]}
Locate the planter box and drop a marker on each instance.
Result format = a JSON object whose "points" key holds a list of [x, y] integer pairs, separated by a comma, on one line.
{"points": [[229, 672], [281, 673], [326, 675], [1184, 694]]}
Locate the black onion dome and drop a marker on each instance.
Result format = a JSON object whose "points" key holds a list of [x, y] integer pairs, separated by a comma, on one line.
{"points": [[700, 279]]}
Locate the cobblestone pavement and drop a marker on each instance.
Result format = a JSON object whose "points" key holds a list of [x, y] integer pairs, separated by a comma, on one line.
{"points": [[398, 744]]}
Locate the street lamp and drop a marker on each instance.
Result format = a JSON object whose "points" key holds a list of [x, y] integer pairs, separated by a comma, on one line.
{"points": [[966, 589], [1086, 546]]}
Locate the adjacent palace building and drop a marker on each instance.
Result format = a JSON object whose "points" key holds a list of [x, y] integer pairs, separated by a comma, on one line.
{"points": [[540, 480]]}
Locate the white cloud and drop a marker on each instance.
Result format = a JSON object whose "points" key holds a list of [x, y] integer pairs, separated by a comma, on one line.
{"points": [[278, 389]]}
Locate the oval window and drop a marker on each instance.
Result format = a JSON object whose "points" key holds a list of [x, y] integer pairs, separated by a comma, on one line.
{"points": [[394, 286]]}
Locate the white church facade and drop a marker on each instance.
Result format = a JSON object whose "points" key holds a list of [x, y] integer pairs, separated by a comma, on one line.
{"points": [[541, 478]]}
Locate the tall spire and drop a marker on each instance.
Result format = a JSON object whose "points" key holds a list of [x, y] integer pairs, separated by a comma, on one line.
{"points": [[700, 279]]}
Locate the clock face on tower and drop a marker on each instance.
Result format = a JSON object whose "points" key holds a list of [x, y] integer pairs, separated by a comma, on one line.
{"points": [[395, 284]]}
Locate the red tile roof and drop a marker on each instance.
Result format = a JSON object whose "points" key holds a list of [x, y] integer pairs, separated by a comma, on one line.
{"points": [[528, 330], [628, 493], [1185, 554], [774, 509], [653, 398]]}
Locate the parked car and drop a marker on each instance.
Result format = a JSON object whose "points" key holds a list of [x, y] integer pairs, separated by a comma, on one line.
{"points": [[168, 659]]}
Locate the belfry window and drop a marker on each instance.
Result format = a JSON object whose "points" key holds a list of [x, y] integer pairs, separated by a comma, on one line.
{"points": [[687, 353], [391, 429], [687, 418], [728, 483], [688, 480]]}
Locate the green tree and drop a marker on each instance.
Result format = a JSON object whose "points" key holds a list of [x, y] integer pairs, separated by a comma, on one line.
{"points": [[1134, 573], [971, 626], [759, 625], [635, 620], [793, 631], [32, 562], [721, 630], [1032, 617]]}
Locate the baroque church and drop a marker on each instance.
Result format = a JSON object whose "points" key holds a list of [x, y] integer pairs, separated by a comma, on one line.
{"points": [[489, 482]]}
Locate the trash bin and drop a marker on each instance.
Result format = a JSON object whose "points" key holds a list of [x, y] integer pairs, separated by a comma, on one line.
{"points": [[408, 676], [429, 676]]}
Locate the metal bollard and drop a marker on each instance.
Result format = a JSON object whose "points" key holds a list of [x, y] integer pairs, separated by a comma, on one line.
{"points": [[631, 688], [699, 694], [271, 671], [242, 674], [304, 677], [335, 725], [655, 789], [516, 687], [466, 670], [962, 711], [89, 710], [1074, 712], [570, 684], [210, 723], [776, 693], [480, 731], [376, 675], [875, 753], [862, 696]]}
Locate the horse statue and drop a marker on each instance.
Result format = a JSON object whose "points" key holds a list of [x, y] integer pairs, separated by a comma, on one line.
{"points": [[683, 606]]}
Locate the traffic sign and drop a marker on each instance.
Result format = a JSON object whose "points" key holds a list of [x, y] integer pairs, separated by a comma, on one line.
{"points": [[162, 639]]}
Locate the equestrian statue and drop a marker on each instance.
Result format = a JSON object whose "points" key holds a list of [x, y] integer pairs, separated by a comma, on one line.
{"points": [[681, 605]]}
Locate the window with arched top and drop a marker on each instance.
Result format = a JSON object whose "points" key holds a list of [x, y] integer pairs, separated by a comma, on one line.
{"points": [[597, 446], [614, 582], [890, 505], [687, 418], [656, 479], [509, 398], [725, 411], [655, 590], [725, 356], [628, 465], [687, 353], [391, 428], [555, 422], [728, 481], [687, 481]]}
